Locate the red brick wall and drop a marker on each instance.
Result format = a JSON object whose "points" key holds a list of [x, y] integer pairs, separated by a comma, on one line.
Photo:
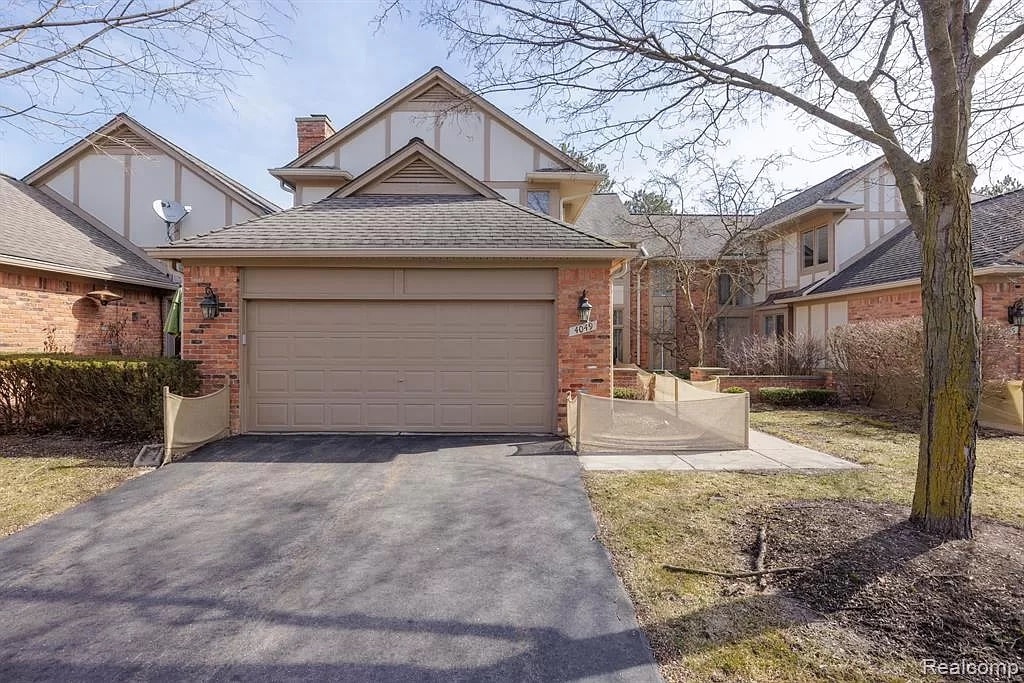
{"points": [[996, 298], [893, 303], [584, 361], [42, 311], [215, 343]]}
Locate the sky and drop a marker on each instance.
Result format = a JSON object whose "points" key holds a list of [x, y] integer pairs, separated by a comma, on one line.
{"points": [[338, 63]]}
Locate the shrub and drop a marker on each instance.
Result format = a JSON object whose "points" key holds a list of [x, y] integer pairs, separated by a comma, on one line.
{"points": [[782, 396], [104, 397], [789, 354], [880, 362], [631, 393], [734, 390]]}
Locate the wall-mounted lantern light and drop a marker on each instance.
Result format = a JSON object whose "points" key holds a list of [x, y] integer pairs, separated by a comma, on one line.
{"points": [[210, 304], [584, 308], [104, 296], [1015, 314]]}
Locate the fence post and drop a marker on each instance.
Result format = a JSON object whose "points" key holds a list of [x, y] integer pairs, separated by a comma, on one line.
{"points": [[168, 427], [579, 414]]}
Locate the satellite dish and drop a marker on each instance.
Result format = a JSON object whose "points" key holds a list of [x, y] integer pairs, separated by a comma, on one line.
{"points": [[171, 212]]}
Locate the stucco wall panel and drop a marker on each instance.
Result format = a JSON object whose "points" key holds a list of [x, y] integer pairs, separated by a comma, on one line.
{"points": [[208, 208], [462, 141], [101, 188], [511, 157], [64, 183], [152, 178], [366, 148]]}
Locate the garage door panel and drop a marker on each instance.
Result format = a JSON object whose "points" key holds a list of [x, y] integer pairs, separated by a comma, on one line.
{"points": [[397, 365]]}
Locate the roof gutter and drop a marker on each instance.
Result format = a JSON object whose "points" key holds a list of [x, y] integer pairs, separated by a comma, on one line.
{"points": [[185, 253], [819, 206], [84, 272]]}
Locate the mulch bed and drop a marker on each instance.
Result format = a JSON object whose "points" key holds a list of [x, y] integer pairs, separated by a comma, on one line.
{"points": [[908, 594], [67, 445]]}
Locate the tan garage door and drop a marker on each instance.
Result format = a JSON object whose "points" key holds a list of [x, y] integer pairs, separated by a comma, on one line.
{"points": [[478, 366]]}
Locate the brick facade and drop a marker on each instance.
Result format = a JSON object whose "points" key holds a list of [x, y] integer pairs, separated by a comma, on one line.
{"points": [[752, 384], [215, 343], [45, 311], [584, 361]]}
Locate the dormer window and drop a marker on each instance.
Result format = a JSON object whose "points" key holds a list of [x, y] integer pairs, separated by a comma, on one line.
{"points": [[815, 249], [539, 200]]}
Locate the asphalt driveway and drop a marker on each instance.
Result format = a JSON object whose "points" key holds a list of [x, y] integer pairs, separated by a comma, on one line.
{"points": [[377, 558]]}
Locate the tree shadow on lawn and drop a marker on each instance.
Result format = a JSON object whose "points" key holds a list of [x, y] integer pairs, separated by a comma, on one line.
{"points": [[901, 590]]}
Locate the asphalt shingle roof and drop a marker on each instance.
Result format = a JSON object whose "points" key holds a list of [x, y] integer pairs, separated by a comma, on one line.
{"points": [[402, 222], [35, 227], [822, 192], [997, 231], [700, 236]]}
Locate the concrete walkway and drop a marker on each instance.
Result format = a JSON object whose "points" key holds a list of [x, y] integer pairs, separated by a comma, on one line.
{"points": [[766, 452]]}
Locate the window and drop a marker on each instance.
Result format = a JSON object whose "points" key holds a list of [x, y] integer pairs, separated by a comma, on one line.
{"points": [[539, 200], [734, 290], [775, 325], [814, 244], [662, 281], [617, 350]]}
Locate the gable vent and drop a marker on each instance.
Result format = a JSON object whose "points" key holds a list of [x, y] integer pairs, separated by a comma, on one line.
{"points": [[435, 93], [124, 141], [417, 171]]}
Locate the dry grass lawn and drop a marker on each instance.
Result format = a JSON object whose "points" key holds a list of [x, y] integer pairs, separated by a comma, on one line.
{"points": [[868, 611], [43, 475]]}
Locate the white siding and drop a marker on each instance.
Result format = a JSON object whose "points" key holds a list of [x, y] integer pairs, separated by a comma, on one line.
{"points": [[462, 141], [801, 320], [511, 156], [239, 213], [64, 183], [790, 255], [208, 207], [366, 148], [510, 193], [101, 188], [406, 125], [152, 179], [819, 320]]}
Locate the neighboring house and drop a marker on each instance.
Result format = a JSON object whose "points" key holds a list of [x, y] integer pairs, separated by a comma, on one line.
{"points": [[432, 287], [654, 317], [113, 176], [840, 251], [885, 281], [50, 259], [104, 187]]}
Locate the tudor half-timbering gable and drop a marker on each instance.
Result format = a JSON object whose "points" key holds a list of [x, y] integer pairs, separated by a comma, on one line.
{"points": [[113, 176], [462, 127]]}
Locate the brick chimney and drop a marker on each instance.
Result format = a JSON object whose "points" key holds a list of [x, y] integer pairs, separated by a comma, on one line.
{"points": [[312, 130]]}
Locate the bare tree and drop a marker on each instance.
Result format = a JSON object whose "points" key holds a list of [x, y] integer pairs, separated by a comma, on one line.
{"points": [[63, 63], [933, 84], [716, 258]]}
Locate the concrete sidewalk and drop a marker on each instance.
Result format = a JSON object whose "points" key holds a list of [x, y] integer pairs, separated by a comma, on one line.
{"points": [[766, 452]]}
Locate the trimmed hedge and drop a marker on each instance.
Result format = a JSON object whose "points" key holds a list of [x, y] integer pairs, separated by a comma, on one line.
{"points": [[734, 390], [630, 393], [783, 396], [106, 397]]}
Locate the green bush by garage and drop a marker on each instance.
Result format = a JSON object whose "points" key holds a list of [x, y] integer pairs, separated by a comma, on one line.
{"points": [[106, 397]]}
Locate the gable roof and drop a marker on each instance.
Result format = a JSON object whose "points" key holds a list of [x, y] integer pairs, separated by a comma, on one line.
{"points": [[427, 87], [36, 231], [424, 160], [823, 194], [400, 225], [997, 232], [124, 130]]}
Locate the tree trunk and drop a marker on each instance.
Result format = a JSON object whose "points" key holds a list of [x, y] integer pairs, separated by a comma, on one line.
{"points": [[952, 360], [700, 346]]}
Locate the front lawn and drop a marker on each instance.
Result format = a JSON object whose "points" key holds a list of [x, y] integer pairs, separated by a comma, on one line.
{"points": [[879, 597], [43, 475]]}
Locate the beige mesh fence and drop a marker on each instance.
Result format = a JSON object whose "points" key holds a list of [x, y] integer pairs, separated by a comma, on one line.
{"points": [[572, 420], [192, 422], [1003, 407], [702, 421], [671, 388]]}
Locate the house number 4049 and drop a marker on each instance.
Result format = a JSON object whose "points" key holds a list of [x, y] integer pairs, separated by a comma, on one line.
{"points": [[582, 328]]}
